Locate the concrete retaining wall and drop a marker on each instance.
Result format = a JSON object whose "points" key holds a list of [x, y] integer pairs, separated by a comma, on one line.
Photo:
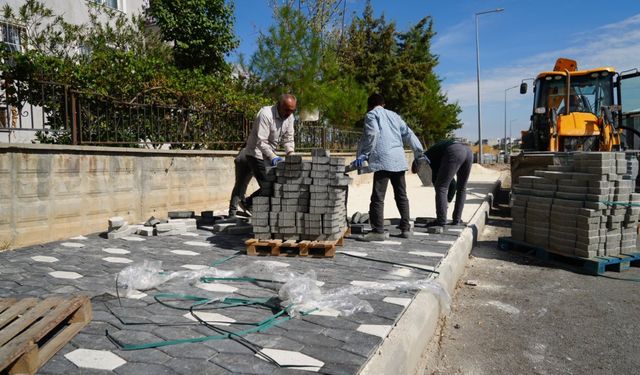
{"points": [[51, 192]]}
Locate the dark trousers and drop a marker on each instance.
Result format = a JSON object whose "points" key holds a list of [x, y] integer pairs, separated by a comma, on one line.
{"points": [[456, 161], [376, 208], [259, 171], [243, 177]]}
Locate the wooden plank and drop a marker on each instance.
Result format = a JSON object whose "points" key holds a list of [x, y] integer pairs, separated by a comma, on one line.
{"points": [[24, 321], [80, 318], [59, 318], [15, 310], [6, 303]]}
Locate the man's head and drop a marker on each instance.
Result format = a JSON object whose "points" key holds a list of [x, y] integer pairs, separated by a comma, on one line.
{"points": [[374, 101], [286, 105]]}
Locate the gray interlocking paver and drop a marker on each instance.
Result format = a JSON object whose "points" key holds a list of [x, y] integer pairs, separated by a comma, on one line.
{"points": [[191, 366], [335, 341], [132, 368], [243, 363]]}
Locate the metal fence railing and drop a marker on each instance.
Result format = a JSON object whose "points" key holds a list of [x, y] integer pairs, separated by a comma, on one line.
{"points": [[54, 113]]}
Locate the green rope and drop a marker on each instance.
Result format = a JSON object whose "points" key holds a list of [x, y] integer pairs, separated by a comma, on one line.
{"points": [[626, 204], [219, 262]]}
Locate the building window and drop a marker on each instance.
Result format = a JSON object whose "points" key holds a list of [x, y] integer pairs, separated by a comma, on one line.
{"points": [[108, 3], [11, 36]]}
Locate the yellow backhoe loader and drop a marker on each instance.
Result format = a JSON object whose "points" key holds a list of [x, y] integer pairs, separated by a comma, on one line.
{"points": [[579, 110]]}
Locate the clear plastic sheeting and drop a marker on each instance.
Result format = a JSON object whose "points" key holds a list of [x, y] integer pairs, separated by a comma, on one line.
{"points": [[300, 292], [304, 295], [143, 276]]}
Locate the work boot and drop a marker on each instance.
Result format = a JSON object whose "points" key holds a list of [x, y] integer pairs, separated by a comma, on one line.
{"points": [[435, 223], [245, 207], [406, 234], [457, 222], [374, 236]]}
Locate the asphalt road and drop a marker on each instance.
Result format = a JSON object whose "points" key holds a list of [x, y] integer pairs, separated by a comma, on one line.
{"points": [[525, 316]]}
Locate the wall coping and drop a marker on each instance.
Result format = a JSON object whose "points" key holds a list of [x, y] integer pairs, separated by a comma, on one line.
{"points": [[43, 148]]}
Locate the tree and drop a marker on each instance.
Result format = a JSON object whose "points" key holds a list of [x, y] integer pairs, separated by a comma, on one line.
{"points": [[113, 61], [420, 96], [400, 66], [289, 58], [201, 31]]}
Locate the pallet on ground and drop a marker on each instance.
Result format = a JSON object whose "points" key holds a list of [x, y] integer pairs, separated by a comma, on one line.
{"points": [[33, 330], [320, 249], [593, 266]]}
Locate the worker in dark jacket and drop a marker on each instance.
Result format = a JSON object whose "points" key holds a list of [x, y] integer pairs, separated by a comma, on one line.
{"points": [[449, 159]]}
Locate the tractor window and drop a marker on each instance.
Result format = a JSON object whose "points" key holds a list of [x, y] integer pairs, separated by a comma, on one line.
{"points": [[630, 92], [592, 92]]}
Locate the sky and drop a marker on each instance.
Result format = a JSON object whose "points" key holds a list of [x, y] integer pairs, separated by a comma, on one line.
{"points": [[517, 43]]}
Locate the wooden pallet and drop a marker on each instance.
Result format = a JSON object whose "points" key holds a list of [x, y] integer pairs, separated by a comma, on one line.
{"points": [[316, 249], [33, 330], [593, 266]]}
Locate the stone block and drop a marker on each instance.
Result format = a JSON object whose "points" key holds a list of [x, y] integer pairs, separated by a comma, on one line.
{"points": [[181, 214], [116, 222], [124, 231]]}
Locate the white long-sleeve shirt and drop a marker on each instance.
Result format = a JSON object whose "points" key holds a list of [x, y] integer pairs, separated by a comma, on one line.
{"points": [[269, 131]]}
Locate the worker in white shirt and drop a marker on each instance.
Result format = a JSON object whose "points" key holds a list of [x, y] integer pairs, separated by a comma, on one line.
{"points": [[272, 127]]}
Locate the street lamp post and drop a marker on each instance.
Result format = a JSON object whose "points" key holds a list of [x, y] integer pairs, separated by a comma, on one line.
{"points": [[505, 117], [478, 79]]}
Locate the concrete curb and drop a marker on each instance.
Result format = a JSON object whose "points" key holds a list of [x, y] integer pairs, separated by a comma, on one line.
{"points": [[401, 351]]}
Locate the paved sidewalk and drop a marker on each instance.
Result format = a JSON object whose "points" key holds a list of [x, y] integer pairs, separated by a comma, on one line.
{"points": [[320, 342]]}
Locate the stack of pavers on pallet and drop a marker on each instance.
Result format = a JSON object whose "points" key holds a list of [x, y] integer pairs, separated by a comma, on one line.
{"points": [[584, 208], [307, 201]]}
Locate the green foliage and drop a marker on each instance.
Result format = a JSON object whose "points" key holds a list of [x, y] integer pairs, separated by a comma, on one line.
{"points": [[293, 57], [201, 31], [400, 66], [115, 63]]}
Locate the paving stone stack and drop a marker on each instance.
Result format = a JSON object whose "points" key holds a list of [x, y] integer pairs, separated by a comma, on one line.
{"points": [[307, 201], [569, 209]]}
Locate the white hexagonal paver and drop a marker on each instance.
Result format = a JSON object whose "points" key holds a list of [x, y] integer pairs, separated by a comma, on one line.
{"points": [[117, 260], [379, 330], [421, 266], [401, 271], [459, 230], [78, 238], [95, 359], [372, 285], [356, 253], [45, 259], [271, 263], [326, 312], [115, 250], [65, 275], [135, 294], [194, 267], [446, 242], [190, 234], [133, 239], [420, 234], [388, 242], [213, 318], [198, 243], [427, 254], [217, 287], [72, 244], [185, 252], [397, 301], [293, 360]]}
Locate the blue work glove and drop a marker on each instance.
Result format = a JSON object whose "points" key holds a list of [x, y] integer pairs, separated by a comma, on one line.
{"points": [[275, 161], [359, 162]]}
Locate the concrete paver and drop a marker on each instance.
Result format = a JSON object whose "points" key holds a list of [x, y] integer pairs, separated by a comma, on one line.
{"points": [[342, 344]]}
